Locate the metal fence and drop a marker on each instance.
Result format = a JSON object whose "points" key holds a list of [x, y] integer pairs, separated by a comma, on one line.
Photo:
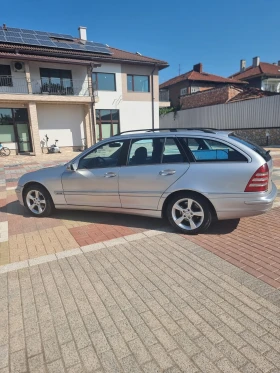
{"points": [[257, 113]]}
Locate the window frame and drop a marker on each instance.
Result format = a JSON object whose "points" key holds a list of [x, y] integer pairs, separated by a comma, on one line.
{"points": [[133, 90], [96, 83], [120, 160], [176, 140], [60, 77], [99, 122], [8, 77], [230, 145]]}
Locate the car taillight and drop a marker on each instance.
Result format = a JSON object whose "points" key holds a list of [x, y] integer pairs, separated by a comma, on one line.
{"points": [[259, 181]]}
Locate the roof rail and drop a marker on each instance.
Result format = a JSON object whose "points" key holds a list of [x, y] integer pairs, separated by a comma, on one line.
{"points": [[207, 130]]}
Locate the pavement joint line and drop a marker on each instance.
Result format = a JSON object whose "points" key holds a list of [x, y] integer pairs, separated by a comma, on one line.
{"points": [[77, 251]]}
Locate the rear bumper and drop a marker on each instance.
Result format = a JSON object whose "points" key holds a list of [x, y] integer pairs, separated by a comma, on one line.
{"points": [[247, 204]]}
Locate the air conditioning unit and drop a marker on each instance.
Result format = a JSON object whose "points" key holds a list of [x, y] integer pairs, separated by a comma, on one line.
{"points": [[19, 67]]}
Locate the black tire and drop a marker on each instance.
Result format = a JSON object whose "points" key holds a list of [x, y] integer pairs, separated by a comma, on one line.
{"points": [[5, 151], [192, 223], [47, 207]]}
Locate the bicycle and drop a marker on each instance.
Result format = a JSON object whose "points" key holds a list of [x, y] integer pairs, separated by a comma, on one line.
{"points": [[4, 151]]}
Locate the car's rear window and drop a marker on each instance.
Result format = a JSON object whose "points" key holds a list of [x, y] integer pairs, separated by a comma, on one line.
{"points": [[258, 149], [210, 150]]}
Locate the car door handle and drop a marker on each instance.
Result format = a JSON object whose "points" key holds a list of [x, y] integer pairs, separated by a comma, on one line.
{"points": [[110, 174], [167, 172]]}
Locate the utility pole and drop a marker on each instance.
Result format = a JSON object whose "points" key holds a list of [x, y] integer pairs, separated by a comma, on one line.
{"points": [[179, 69]]}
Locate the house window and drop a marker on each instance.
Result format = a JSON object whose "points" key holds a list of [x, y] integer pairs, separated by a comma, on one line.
{"points": [[5, 76], [107, 123], [104, 81], [183, 91], [56, 81], [195, 89], [138, 83]]}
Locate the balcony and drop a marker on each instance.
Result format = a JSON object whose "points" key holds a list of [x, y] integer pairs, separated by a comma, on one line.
{"points": [[164, 98], [67, 87]]}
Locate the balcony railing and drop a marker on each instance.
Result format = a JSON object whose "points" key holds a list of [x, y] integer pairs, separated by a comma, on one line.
{"points": [[164, 96], [67, 87]]}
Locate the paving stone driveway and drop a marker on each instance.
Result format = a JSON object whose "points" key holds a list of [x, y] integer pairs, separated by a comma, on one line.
{"points": [[92, 292], [159, 304]]}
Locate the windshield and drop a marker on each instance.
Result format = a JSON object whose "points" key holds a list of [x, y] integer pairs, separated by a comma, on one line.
{"points": [[258, 149]]}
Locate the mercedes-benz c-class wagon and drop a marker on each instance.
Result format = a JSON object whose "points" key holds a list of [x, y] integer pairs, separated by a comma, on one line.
{"points": [[190, 177]]}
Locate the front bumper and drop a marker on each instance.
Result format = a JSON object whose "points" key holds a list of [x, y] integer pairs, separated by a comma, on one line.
{"points": [[247, 204], [19, 190]]}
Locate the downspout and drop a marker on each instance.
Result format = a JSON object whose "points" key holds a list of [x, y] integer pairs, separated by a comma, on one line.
{"points": [[153, 99]]}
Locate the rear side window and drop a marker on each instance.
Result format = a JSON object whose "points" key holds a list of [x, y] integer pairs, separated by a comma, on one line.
{"points": [[258, 149], [206, 150]]}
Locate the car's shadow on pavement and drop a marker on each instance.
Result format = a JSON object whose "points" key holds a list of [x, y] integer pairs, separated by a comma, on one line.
{"points": [[107, 218]]}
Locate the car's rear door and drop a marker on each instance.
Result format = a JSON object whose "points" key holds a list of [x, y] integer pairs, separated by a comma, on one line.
{"points": [[142, 181]]}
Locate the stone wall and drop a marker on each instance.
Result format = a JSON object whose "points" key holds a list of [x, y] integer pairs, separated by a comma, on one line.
{"points": [[258, 135]]}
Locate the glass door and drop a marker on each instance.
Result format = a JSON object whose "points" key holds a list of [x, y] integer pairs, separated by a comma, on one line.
{"points": [[23, 138]]}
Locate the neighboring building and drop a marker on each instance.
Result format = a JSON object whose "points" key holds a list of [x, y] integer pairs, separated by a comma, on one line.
{"points": [[223, 95], [191, 82], [263, 75], [71, 89]]}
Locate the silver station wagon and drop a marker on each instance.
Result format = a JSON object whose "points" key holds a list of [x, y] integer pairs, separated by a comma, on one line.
{"points": [[189, 176]]}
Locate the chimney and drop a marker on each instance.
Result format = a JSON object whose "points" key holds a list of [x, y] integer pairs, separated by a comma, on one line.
{"points": [[198, 67], [242, 65], [256, 61], [83, 32], [4, 27], [279, 63]]}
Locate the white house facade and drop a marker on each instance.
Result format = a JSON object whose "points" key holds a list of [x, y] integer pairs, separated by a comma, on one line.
{"points": [[77, 97]]}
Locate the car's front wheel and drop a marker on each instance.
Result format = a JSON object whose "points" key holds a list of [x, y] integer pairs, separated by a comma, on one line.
{"points": [[189, 213], [38, 201]]}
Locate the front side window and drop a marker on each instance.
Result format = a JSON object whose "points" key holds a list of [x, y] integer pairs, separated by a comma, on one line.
{"points": [[5, 76], [207, 150], [56, 81], [154, 151], [138, 83], [104, 81], [107, 123], [104, 156]]}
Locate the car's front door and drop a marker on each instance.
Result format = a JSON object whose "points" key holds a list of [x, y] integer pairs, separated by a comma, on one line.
{"points": [[95, 182], [153, 165]]}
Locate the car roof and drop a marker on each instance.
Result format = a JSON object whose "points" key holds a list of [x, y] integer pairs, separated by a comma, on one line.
{"points": [[171, 132]]}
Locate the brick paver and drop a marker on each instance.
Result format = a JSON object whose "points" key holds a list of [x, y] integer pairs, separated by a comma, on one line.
{"points": [[156, 304]]}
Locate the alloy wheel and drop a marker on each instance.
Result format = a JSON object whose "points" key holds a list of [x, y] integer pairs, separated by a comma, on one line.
{"points": [[188, 214], [36, 202]]}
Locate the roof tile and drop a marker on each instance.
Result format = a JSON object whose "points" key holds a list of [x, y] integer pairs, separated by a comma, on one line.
{"points": [[264, 68]]}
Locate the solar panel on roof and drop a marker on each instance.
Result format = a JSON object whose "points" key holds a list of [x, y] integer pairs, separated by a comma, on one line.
{"points": [[29, 36], [13, 29], [45, 39], [47, 43], [11, 33], [12, 39], [41, 33], [31, 41], [62, 45], [24, 31]]}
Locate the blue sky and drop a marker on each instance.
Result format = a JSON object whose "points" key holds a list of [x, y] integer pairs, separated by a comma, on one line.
{"points": [[217, 33]]}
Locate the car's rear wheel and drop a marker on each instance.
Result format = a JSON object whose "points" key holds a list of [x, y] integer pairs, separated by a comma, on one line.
{"points": [[38, 201], [189, 213]]}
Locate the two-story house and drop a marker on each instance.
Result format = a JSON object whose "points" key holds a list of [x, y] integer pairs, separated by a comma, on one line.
{"points": [[191, 82], [71, 90], [263, 75]]}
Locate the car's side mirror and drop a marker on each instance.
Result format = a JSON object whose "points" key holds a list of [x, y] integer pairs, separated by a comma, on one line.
{"points": [[72, 166]]}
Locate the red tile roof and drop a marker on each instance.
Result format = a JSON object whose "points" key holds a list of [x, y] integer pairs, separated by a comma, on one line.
{"points": [[249, 93], [117, 54], [264, 68], [194, 75]]}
